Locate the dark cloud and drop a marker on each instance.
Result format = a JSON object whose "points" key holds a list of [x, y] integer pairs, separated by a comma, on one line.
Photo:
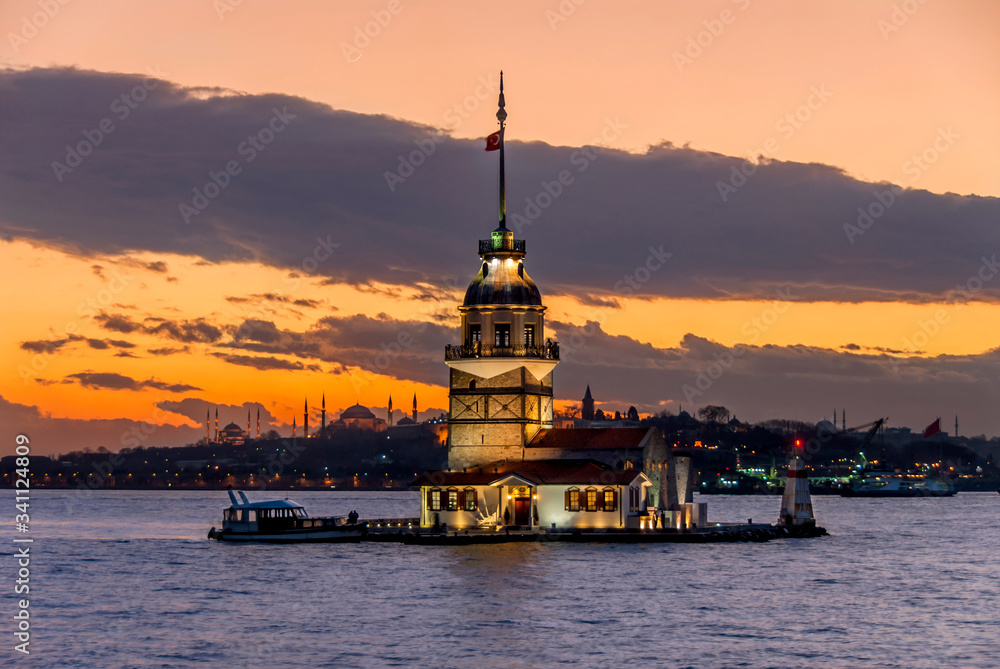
{"points": [[264, 363], [117, 323], [186, 331], [316, 201], [405, 349], [761, 382], [196, 409], [50, 436], [53, 345], [167, 350], [115, 381], [189, 332]]}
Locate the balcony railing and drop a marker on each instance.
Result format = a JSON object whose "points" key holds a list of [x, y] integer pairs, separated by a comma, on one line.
{"points": [[501, 244], [547, 351]]}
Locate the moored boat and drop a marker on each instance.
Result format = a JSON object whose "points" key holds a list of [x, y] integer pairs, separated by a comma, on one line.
{"points": [[891, 484], [282, 521]]}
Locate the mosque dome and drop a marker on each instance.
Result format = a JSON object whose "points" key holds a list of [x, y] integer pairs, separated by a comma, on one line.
{"points": [[355, 412]]}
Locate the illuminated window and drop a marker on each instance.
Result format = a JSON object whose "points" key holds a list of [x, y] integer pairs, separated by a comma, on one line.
{"points": [[502, 335], [453, 500], [591, 499], [475, 334], [573, 499], [610, 500], [434, 500], [470, 500], [529, 335]]}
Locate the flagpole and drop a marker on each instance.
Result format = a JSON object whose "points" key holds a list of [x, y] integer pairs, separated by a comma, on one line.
{"points": [[502, 117]]}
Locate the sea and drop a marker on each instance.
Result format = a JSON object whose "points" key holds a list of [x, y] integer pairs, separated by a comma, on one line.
{"points": [[129, 579]]}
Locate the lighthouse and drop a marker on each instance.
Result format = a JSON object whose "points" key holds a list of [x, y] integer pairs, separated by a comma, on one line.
{"points": [[796, 503]]}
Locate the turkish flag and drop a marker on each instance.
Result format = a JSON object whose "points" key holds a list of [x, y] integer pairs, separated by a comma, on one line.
{"points": [[494, 141], [933, 428]]}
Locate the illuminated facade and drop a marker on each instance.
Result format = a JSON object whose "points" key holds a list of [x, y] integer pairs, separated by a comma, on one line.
{"points": [[507, 464]]}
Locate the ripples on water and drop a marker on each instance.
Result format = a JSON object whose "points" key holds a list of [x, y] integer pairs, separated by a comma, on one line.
{"points": [[127, 579]]}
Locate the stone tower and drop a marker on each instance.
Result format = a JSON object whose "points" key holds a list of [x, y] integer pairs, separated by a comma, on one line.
{"points": [[500, 387], [587, 410]]}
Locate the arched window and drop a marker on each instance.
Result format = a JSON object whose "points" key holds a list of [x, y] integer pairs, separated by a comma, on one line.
{"points": [[472, 384], [573, 499], [470, 503], [609, 499], [434, 499]]}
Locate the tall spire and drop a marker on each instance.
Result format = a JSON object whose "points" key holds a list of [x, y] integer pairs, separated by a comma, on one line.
{"points": [[390, 410], [322, 429], [414, 407], [208, 421], [305, 420], [258, 421], [502, 118]]}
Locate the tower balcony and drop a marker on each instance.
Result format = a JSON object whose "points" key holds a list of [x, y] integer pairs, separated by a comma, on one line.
{"points": [[547, 351], [501, 244]]}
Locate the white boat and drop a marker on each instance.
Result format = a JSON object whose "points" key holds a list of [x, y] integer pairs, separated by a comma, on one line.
{"points": [[282, 521], [890, 484]]}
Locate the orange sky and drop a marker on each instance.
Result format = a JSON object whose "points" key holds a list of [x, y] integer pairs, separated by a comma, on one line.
{"points": [[435, 63]]}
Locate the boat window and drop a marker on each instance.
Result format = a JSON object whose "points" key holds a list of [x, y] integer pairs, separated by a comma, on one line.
{"points": [[252, 516]]}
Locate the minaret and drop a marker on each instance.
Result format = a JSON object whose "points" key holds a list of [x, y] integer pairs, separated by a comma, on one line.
{"points": [[587, 409], [208, 422], [293, 427], [216, 424], [834, 419], [258, 421], [414, 407], [322, 428], [956, 425], [500, 385], [305, 420], [390, 410], [248, 423], [843, 419]]}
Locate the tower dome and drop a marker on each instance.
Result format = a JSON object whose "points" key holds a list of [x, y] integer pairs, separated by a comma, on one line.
{"points": [[502, 279]]}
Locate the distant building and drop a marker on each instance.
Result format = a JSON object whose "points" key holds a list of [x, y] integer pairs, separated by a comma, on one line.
{"points": [[232, 435], [360, 418]]}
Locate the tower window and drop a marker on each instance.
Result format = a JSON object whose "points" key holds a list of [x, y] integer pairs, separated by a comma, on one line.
{"points": [[529, 335], [475, 334], [502, 335]]}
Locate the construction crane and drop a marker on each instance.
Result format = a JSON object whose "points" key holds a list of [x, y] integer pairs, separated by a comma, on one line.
{"points": [[873, 428]]}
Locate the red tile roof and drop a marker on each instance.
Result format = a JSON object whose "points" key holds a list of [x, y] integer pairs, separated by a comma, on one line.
{"points": [[590, 438], [537, 472]]}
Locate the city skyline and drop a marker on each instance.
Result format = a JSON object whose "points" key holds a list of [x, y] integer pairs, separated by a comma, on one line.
{"points": [[178, 245]]}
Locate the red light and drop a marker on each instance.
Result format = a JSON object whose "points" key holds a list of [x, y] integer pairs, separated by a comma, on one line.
{"points": [[798, 442]]}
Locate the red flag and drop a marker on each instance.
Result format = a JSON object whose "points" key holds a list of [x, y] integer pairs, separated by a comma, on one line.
{"points": [[933, 428], [493, 141]]}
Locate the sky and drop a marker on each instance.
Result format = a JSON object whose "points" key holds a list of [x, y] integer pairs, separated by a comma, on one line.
{"points": [[782, 207]]}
